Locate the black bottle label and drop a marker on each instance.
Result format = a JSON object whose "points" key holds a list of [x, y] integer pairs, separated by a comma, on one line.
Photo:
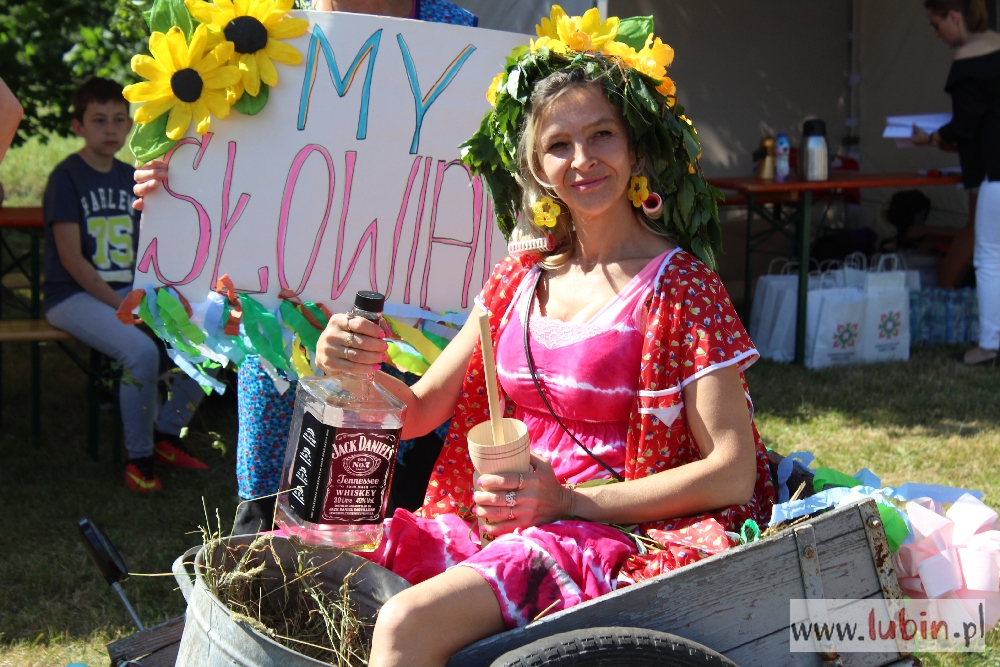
{"points": [[355, 488], [310, 455]]}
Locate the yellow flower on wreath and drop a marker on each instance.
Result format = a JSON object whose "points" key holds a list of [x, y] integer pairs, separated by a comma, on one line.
{"points": [[491, 94], [576, 33], [652, 60], [546, 212], [254, 28], [186, 80]]}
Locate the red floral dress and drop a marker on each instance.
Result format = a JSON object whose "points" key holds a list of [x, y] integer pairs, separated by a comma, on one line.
{"points": [[691, 329]]}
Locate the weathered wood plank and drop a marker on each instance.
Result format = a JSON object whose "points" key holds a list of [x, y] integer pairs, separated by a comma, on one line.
{"points": [[147, 641], [164, 657], [726, 602]]}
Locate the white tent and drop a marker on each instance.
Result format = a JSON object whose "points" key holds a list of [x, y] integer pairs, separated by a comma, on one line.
{"points": [[749, 69]]}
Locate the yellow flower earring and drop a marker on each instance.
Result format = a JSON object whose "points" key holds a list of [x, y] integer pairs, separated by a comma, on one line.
{"points": [[638, 190], [546, 212]]}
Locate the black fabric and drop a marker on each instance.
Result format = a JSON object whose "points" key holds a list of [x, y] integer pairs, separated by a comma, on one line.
{"points": [[409, 482], [101, 204], [974, 86]]}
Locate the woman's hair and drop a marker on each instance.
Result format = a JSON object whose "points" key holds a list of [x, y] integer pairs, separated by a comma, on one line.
{"points": [[529, 175], [972, 11]]}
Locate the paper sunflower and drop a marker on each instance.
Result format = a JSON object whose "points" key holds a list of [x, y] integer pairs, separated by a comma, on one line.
{"points": [[183, 79], [254, 28]]}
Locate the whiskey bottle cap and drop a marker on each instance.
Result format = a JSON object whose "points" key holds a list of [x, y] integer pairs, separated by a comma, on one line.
{"points": [[370, 301]]}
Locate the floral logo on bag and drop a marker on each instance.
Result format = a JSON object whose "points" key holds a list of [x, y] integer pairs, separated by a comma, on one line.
{"points": [[890, 325], [846, 336]]}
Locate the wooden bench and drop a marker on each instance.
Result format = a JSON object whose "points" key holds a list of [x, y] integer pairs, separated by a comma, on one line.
{"points": [[37, 331]]}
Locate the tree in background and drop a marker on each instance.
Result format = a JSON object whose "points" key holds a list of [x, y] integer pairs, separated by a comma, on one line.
{"points": [[49, 47]]}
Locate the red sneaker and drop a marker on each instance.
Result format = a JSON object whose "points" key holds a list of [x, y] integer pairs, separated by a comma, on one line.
{"points": [[140, 477], [171, 452]]}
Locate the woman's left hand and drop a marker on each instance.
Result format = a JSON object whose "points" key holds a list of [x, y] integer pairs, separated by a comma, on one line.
{"points": [[535, 498]]}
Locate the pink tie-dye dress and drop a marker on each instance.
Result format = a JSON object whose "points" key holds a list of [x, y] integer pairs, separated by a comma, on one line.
{"points": [[588, 372]]}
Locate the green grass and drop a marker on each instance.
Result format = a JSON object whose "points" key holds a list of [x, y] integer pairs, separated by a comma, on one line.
{"points": [[25, 169], [930, 420]]}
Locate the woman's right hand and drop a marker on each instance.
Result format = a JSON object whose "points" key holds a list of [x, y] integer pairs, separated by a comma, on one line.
{"points": [[350, 344], [147, 179]]}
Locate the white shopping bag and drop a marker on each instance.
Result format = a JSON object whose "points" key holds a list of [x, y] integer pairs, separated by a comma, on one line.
{"points": [[834, 325], [768, 313], [885, 332]]}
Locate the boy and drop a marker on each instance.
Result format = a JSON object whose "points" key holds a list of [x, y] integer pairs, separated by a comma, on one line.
{"points": [[91, 235]]}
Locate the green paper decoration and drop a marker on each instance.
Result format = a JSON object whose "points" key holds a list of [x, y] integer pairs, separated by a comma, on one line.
{"points": [[150, 141], [251, 105], [166, 14]]}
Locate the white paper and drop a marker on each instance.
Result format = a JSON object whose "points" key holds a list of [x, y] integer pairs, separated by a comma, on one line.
{"points": [[901, 127], [380, 199]]}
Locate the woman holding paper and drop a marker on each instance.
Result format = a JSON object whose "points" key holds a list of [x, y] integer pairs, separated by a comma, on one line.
{"points": [[633, 343], [974, 86]]}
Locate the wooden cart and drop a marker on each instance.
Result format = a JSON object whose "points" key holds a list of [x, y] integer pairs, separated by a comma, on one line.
{"points": [[735, 603]]}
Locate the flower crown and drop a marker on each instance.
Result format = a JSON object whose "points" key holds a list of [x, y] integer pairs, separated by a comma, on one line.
{"points": [[635, 62]]}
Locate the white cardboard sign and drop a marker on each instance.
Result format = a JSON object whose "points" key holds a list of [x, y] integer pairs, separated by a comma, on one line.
{"points": [[348, 179]]}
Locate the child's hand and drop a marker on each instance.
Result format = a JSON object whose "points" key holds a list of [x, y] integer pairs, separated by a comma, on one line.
{"points": [[147, 179]]}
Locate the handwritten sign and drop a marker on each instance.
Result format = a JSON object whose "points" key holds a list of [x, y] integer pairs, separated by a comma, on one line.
{"points": [[348, 179]]}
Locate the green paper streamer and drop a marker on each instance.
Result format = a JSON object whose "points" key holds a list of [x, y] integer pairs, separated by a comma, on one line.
{"points": [[264, 332], [251, 105], [894, 526], [150, 141], [307, 333], [439, 341], [634, 31], [826, 478], [167, 301], [750, 532]]}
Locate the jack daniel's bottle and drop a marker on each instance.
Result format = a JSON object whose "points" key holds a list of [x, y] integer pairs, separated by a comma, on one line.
{"points": [[341, 454]]}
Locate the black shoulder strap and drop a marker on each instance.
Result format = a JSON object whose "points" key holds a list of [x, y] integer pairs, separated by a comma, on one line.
{"points": [[534, 378]]}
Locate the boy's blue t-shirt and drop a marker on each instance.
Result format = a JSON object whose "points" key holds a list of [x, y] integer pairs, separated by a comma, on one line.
{"points": [[101, 204]]}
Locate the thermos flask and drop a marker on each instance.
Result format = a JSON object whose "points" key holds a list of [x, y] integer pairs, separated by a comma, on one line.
{"points": [[814, 161]]}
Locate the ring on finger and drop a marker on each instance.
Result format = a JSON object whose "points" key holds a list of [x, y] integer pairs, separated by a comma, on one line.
{"points": [[511, 498], [520, 481], [346, 352]]}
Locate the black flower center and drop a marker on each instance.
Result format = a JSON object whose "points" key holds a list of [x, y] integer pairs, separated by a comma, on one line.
{"points": [[247, 34], [186, 84]]}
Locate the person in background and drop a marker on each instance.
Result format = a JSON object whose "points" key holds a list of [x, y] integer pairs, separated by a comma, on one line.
{"points": [[91, 233], [265, 414], [974, 85], [10, 117]]}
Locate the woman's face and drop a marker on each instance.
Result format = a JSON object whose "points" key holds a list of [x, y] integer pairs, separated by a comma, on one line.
{"points": [[583, 151], [950, 28]]}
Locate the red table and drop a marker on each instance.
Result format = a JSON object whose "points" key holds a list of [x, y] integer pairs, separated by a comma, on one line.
{"points": [[754, 190]]}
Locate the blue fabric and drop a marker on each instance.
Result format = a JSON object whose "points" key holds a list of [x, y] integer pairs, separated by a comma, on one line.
{"points": [[442, 11], [265, 415], [101, 204]]}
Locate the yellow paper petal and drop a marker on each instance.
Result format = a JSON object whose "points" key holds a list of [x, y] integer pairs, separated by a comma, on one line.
{"points": [[266, 11], [199, 41], [154, 109], [268, 74], [146, 91], [224, 52], [161, 52], [216, 102], [241, 7], [223, 77], [251, 77], [148, 68], [178, 48], [227, 9], [202, 120], [177, 123], [202, 11], [288, 28], [282, 52]]}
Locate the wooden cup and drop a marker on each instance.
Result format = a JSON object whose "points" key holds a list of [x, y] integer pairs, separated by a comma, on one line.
{"points": [[514, 455]]}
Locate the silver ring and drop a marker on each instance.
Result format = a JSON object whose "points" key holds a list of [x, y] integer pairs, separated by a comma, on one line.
{"points": [[511, 510], [511, 498], [346, 350], [350, 339], [520, 481]]}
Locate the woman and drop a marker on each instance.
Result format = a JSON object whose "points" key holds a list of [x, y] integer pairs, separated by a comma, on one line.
{"points": [[634, 344], [974, 86]]}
